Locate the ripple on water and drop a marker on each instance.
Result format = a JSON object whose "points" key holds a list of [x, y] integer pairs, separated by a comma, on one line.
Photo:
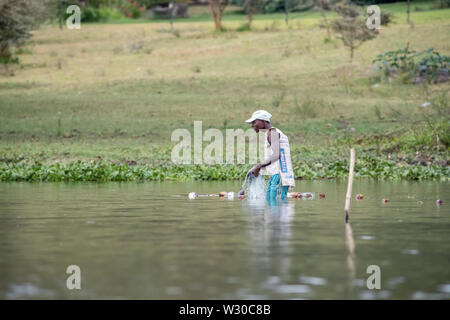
{"points": [[371, 295], [359, 282], [411, 251], [173, 290], [27, 290], [394, 282], [315, 281], [420, 295], [273, 280], [233, 280], [444, 288], [293, 288]]}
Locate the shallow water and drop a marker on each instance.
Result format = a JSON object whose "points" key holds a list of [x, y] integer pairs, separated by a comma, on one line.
{"points": [[148, 241]]}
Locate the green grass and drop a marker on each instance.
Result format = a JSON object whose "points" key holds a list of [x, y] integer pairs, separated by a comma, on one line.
{"points": [[117, 91]]}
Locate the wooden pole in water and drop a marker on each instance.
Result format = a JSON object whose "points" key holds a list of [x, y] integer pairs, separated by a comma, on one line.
{"points": [[350, 183]]}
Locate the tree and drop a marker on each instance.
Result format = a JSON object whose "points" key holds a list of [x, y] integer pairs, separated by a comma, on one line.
{"points": [[325, 5], [295, 6], [251, 7], [216, 7], [61, 7], [17, 19], [351, 27], [443, 4]]}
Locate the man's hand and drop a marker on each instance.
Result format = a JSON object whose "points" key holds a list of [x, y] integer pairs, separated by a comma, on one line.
{"points": [[255, 170]]}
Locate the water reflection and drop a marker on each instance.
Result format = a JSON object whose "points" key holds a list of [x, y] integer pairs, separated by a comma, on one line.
{"points": [[350, 245], [140, 241], [274, 217], [271, 234]]}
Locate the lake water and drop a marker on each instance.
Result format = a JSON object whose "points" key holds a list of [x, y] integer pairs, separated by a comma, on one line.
{"points": [[149, 241]]}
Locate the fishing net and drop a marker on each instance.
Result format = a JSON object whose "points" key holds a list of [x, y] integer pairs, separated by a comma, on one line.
{"points": [[255, 187]]}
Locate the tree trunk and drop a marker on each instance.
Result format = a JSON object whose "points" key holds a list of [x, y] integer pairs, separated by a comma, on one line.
{"points": [[218, 24], [5, 52], [325, 20], [218, 20], [171, 14], [286, 11], [251, 7], [60, 14], [215, 9], [407, 10]]}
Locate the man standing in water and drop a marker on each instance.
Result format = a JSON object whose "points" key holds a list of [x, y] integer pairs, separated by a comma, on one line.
{"points": [[277, 163]]}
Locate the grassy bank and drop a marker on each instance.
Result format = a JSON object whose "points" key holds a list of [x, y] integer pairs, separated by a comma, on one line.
{"points": [[87, 104]]}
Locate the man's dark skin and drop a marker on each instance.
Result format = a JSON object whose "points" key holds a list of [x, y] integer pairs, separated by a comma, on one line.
{"points": [[273, 136]]}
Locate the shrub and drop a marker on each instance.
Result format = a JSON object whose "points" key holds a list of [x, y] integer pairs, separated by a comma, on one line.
{"points": [[102, 14], [131, 9], [386, 17], [89, 14], [428, 64], [108, 13], [243, 27], [441, 4], [270, 6]]}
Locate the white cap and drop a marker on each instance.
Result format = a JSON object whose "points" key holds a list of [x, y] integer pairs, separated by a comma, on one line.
{"points": [[260, 115]]}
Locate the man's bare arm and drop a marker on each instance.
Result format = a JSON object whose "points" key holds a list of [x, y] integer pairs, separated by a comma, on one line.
{"points": [[274, 140]]}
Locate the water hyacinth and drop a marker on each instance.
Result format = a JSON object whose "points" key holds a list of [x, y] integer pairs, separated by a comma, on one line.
{"points": [[102, 171]]}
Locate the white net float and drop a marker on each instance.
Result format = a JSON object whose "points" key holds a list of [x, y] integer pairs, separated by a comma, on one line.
{"points": [[192, 195]]}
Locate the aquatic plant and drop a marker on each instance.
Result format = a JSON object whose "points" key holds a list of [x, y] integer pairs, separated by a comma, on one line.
{"points": [[102, 171]]}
